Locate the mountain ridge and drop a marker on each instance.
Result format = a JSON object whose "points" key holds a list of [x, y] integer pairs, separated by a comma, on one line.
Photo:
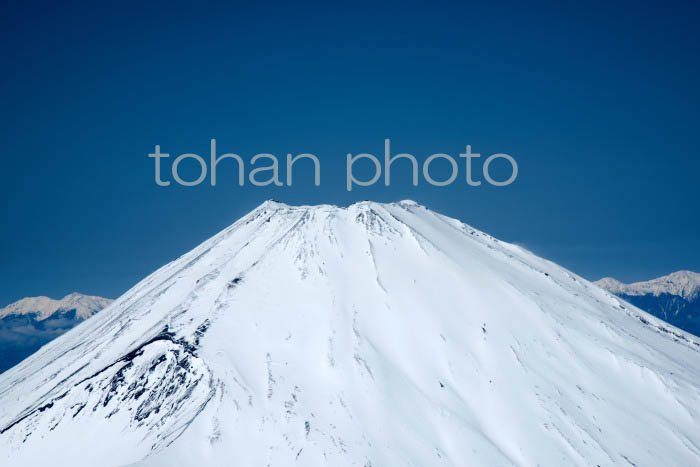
{"points": [[43, 307], [29, 323], [675, 298], [685, 284]]}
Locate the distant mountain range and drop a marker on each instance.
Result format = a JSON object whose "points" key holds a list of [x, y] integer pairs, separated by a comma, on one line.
{"points": [[27, 324], [674, 298]]}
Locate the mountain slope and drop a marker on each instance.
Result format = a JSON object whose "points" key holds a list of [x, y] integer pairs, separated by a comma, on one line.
{"points": [[378, 334], [31, 322], [675, 298]]}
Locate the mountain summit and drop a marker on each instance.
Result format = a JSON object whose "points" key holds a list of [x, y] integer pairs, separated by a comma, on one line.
{"points": [[372, 335]]}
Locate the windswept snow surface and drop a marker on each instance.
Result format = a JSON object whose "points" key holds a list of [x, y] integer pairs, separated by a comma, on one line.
{"points": [[372, 335]]}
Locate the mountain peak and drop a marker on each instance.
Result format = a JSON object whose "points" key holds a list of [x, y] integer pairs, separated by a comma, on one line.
{"points": [[274, 204], [609, 280]]}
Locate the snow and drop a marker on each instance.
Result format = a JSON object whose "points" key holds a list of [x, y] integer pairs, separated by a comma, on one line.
{"points": [[685, 284], [84, 305], [372, 335]]}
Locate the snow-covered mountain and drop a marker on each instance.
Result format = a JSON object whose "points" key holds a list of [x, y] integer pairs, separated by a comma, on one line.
{"points": [[685, 284], [674, 298], [372, 335], [29, 323], [42, 308]]}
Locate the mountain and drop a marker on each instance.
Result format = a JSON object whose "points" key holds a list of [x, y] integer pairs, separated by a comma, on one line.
{"points": [[674, 298], [372, 335], [29, 323], [685, 284]]}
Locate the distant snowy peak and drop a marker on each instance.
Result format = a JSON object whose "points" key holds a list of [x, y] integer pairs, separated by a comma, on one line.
{"points": [[43, 307], [685, 284], [611, 284]]}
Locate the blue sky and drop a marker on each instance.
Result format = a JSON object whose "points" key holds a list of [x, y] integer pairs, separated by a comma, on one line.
{"points": [[598, 103]]}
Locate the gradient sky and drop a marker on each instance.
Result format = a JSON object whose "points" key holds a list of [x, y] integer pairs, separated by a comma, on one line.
{"points": [[598, 103]]}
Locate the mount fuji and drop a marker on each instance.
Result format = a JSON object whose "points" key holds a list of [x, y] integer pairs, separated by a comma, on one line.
{"points": [[372, 335]]}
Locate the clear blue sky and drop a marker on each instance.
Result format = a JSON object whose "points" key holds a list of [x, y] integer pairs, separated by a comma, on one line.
{"points": [[598, 103]]}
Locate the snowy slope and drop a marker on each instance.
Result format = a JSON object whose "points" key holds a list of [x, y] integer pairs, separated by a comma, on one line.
{"points": [[373, 335]]}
